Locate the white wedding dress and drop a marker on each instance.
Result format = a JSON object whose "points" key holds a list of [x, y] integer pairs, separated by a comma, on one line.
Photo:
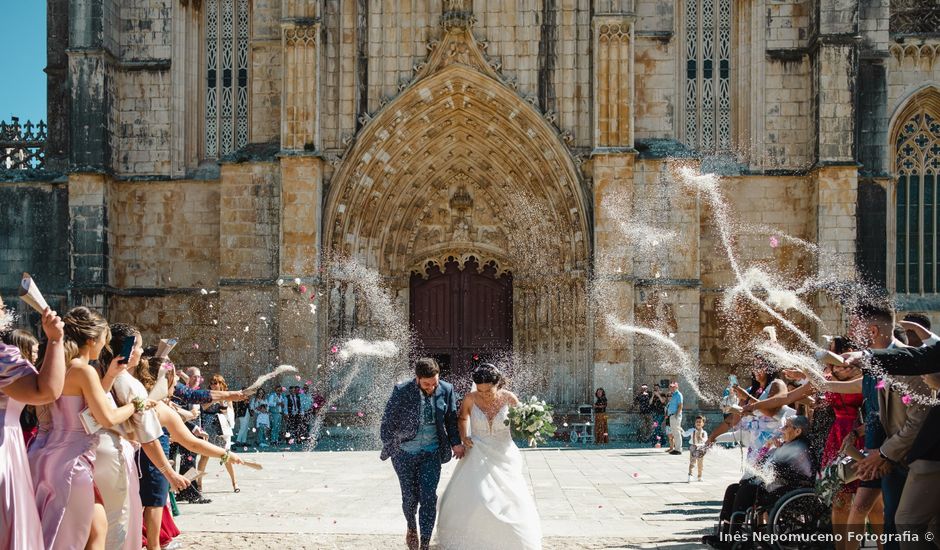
{"points": [[487, 505]]}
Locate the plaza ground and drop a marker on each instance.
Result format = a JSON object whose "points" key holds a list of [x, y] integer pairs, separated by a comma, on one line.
{"points": [[587, 498]]}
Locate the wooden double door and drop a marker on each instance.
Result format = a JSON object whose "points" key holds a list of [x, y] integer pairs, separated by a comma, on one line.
{"points": [[462, 317]]}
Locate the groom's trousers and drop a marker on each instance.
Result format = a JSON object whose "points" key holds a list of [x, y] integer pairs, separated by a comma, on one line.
{"points": [[419, 475]]}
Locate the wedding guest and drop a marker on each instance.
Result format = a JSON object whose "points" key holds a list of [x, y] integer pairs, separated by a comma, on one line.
{"points": [[20, 383], [873, 327], [697, 447], [674, 410], [306, 411], [154, 488], [217, 422], [263, 423], [294, 414], [789, 467], [116, 474], [70, 507], [276, 405], [243, 414], [25, 342], [600, 417], [257, 400], [642, 404], [29, 349]]}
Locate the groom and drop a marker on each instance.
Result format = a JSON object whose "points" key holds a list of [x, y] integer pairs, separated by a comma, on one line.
{"points": [[419, 433]]}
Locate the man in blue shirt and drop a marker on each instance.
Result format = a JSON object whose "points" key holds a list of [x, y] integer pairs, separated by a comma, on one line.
{"points": [[419, 433], [674, 410]]}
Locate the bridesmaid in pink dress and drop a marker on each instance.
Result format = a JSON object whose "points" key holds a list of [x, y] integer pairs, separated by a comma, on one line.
{"points": [[63, 466], [21, 384]]}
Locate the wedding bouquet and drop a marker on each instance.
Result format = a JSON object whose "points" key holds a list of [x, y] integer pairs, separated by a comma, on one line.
{"points": [[531, 420]]}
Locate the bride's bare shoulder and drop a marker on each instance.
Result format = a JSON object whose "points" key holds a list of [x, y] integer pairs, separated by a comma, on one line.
{"points": [[510, 398]]}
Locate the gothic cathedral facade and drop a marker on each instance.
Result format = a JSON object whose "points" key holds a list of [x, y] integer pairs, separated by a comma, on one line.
{"points": [[486, 159]]}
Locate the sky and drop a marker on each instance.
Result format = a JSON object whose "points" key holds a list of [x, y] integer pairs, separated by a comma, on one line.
{"points": [[23, 41]]}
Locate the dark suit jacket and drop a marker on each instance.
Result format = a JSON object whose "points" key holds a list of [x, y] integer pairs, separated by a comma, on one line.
{"points": [[909, 361], [927, 444], [403, 416]]}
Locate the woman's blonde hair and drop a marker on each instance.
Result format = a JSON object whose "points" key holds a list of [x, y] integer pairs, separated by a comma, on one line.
{"points": [[218, 378], [82, 325]]}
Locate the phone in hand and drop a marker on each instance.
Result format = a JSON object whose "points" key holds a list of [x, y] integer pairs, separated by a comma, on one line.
{"points": [[127, 350]]}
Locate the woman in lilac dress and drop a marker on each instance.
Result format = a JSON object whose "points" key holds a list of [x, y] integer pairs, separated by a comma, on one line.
{"points": [[20, 384], [69, 505]]}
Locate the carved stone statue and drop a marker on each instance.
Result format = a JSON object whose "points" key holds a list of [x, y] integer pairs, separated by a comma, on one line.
{"points": [[457, 5]]}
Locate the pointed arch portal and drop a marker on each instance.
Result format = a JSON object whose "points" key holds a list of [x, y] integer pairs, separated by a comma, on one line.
{"points": [[458, 166]]}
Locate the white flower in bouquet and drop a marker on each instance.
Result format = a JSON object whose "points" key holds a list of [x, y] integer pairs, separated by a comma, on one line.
{"points": [[532, 420]]}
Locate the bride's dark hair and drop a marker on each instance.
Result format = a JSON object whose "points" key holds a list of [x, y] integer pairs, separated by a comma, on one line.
{"points": [[487, 373]]}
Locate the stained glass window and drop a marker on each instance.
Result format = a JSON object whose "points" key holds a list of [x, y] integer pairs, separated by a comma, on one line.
{"points": [[917, 165], [708, 74], [226, 76]]}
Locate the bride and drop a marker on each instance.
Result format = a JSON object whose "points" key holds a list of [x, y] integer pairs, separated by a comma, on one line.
{"points": [[487, 505]]}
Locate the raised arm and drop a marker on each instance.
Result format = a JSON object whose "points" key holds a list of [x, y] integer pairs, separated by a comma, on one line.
{"points": [[180, 434], [901, 360], [46, 385], [96, 398]]}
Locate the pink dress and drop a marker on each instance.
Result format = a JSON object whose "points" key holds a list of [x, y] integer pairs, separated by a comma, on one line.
{"points": [[19, 520], [63, 475]]}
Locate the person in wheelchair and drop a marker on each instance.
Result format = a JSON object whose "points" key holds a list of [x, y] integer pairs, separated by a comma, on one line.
{"points": [[788, 467]]}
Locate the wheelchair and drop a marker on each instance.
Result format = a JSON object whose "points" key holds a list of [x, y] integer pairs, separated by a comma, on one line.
{"points": [[788, 521]]}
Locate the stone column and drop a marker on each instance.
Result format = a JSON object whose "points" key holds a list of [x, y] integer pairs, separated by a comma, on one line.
{"points": [[301, 184], [88, 253], [300, 124], [249, 229], [613, 166], [90, 83], [613, 81], [835, 177], [614, 286], [301, 211], [57, 93]]}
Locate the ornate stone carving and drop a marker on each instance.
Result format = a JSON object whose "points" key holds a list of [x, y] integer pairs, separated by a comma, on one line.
{"points": [[928, 52], [302, 34], [613, 95], [914, 17]]}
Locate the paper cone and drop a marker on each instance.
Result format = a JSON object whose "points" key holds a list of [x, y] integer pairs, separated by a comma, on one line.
{"points": [[165, 347], [30, 294], [160, 389]]}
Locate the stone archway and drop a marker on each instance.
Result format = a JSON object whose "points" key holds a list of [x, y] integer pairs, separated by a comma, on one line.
{"points": [[459, 164]]}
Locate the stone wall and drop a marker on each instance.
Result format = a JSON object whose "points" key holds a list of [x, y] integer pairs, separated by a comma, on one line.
{"points": [[164, 234], [783, 203], [34, 220]]}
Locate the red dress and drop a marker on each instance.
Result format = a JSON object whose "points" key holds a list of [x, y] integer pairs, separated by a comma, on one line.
{"points": [[168, 528], [845, 406]]}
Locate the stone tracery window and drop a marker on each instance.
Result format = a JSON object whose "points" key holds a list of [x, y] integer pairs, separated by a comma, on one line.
{"points": [[708, 74], [917, 163], [226, 54]]}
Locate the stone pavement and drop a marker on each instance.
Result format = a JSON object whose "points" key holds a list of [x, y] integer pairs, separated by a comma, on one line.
{"points": [[587, 498]]}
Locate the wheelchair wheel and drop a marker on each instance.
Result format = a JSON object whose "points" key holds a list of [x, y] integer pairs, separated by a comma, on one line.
{"points": [[797, 515]]}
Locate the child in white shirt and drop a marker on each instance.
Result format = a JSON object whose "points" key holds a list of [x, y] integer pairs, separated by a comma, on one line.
{"points": [[263, 424], [697, 446]]}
